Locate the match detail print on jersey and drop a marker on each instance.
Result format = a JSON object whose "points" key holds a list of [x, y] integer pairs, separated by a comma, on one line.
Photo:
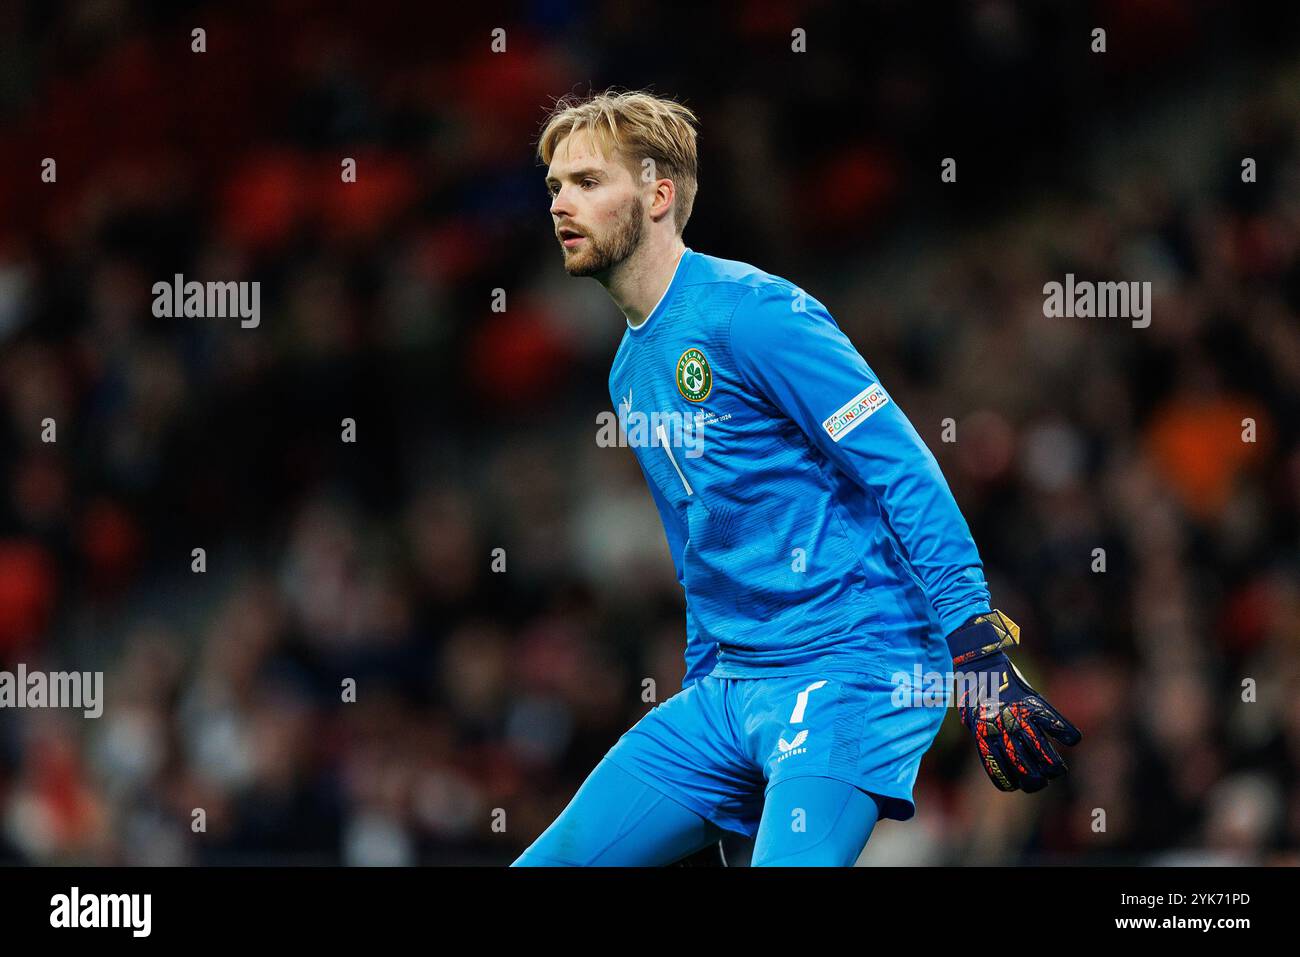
{"points": [[854, 412]]}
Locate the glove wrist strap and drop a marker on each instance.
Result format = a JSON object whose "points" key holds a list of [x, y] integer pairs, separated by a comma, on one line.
{"points": [[984, 635]]}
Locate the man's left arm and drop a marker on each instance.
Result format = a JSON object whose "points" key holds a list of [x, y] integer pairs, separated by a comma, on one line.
{"points": [[787, 346], [802, 362]]}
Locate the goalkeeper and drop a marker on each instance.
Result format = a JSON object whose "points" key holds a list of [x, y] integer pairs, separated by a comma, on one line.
{"points": [[821, 553]]}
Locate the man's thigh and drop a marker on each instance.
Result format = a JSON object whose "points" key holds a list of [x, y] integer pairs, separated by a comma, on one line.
{"points": [[664, 790], [814, 822], [688, 749], [616, 820]]}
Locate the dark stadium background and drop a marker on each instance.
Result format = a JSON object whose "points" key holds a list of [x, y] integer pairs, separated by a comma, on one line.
{"points": [[476, 429]]}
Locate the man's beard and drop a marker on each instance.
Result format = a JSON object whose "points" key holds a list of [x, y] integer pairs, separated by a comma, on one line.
{"points": [[601, 255]]}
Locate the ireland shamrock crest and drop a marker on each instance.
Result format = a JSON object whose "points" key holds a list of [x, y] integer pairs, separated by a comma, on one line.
{"points": [[694, 378]]}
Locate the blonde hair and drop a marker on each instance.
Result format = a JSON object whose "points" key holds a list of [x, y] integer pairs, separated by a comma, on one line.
{"points": [[637, 125]]}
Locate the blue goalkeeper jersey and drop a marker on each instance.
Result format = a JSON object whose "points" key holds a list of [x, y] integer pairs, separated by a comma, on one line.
{"points": [[809, 525]]}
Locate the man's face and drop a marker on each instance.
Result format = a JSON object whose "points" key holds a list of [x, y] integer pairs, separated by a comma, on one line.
{"points": [[596, 207]]}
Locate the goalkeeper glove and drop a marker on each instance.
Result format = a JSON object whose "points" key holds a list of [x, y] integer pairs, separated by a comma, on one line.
{"points": [[1010, 720]]}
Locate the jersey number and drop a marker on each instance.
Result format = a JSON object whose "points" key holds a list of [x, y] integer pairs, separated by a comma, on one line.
{"points": [[801, 702], [663, 443]]}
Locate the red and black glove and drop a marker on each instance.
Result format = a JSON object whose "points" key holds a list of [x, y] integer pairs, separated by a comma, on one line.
{"points": [[1013, 724]]}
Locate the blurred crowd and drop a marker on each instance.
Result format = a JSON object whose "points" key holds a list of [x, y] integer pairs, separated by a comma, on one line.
{"points": [[411, 648]]}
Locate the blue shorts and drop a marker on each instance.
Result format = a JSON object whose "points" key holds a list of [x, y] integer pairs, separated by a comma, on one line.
{"points": [[718, 745]]}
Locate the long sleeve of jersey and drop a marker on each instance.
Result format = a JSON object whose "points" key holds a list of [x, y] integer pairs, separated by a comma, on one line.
{"points": [[788, 348]]}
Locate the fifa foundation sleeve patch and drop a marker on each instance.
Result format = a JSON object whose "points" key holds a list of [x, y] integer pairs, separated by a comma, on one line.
{"points": [[856, 411]]}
